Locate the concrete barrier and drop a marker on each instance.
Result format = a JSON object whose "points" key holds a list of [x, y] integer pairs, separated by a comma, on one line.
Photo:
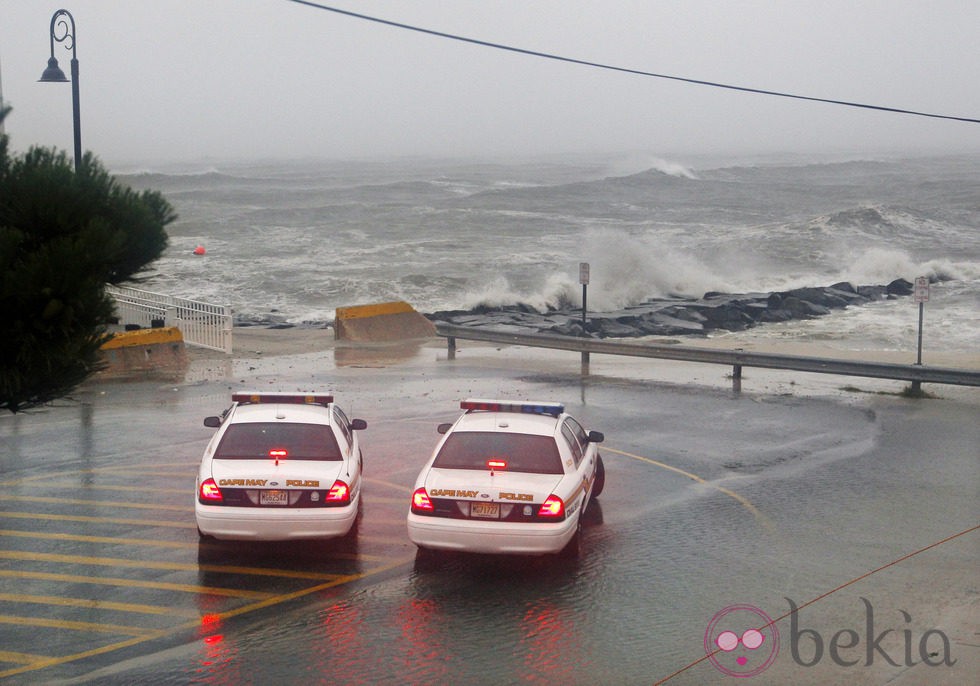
{"points": [[392, 321], [159, 350]]}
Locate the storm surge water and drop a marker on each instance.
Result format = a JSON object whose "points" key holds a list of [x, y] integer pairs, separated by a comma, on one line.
{"points": [[290, 242]]}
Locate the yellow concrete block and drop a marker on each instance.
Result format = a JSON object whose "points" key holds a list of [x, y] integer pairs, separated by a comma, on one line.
{"points": [[145, 353], [392, 321], [361, 311], [167, 334]]}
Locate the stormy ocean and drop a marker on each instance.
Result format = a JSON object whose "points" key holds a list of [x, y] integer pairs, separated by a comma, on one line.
{"points": [[288, 242]]}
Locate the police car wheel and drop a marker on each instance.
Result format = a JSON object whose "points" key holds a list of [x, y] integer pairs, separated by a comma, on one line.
{"points": [[573, 549], [600, 477]]}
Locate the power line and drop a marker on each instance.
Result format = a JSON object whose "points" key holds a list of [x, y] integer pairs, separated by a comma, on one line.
{"points": [[626, 70]]}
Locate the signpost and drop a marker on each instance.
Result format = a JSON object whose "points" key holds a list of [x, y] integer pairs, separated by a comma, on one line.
{"points": [[920, 294], [583, 278]]}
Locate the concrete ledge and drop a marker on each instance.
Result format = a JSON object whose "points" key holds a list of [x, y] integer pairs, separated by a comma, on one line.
{"points": [[138, 352], [392, 321]]}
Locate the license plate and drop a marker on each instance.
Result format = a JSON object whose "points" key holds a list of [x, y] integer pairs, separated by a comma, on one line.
{"points": [[273, 497], [485, 510]]}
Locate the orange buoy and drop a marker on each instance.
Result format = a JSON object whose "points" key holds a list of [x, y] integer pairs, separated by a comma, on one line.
{"points": [[199, 250]]}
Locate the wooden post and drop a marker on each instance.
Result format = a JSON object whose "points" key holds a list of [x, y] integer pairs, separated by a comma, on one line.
{"points": [[451, 350], [737, 378]]}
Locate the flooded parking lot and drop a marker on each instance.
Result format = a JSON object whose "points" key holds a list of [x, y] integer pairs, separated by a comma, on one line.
{"points": [[713, 501]]}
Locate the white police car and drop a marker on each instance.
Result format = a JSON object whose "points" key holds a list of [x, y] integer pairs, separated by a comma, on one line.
{"points": [[507, 477], [281, 466]]}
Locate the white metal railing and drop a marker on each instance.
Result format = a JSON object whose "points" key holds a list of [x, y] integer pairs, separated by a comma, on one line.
{"points": [[201, 324], [915, 373]]}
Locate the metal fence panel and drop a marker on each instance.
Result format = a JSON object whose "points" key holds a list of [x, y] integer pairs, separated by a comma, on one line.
{"points": [[201, 324]]}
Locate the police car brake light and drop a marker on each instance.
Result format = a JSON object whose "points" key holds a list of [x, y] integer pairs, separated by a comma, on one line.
{"points": [[496, 464], [552, 409], [421, 501], [553, 507], [338, 493], [251, 398], [209, 493]]}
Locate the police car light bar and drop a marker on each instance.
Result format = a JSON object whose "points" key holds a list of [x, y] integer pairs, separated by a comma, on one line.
{"points": [[553, 409], [276, 397]]}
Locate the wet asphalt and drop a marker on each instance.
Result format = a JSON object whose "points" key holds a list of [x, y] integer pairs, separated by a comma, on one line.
{"points": [[717, 507]]}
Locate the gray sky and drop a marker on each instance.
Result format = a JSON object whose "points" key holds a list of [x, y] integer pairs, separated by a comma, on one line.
{"points": [[192, 80]]}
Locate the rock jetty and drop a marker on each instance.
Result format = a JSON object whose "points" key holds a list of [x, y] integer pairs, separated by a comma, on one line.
{"points": [[678, 316]]}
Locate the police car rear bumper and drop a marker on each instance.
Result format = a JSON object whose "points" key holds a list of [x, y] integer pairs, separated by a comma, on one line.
{"points": [[267, 524], [440, 533]]}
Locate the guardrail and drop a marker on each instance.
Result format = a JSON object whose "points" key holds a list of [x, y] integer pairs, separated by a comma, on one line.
{"points": [[200, 324], [916, 374]]}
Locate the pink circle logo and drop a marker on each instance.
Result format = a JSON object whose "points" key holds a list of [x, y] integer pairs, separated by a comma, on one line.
{"points": [[741, 641]]}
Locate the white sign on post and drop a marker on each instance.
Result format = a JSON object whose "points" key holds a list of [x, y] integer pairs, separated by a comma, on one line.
{"points": [[921, 290], [583, 273]]}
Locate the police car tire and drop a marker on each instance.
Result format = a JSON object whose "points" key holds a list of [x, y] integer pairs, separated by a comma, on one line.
{"points": [[573, 549], [600, 477]]}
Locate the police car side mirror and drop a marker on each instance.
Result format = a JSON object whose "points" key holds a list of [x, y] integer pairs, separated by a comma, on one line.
{"points": [[213, 422], [596, 437], [443, 428], [358, 425]]}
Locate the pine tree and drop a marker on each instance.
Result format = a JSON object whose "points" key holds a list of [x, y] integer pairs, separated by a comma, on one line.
{"points": [[63, 236]]}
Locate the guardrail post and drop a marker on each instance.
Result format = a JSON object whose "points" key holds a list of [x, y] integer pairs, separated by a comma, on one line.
{"points": [[737, 378], [451, 348], [585, 364]]}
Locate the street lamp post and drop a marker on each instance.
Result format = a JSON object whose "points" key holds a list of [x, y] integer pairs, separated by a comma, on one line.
{"points": [[63, 31]]}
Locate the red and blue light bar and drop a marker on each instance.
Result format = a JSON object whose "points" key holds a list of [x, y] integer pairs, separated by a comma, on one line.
{"points": [[254, 398], [552, 409]]}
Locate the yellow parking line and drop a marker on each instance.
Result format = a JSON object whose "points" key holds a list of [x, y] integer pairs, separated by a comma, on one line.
{"points": [[171, 468], [382, 482], [741, 499], [135, 583], [20, 658], [396, 522], [272, 601], [140, 469], [97, 503], [52, 661], [310, 590], [93, 604], [404, 500], [98, 520], [174, 566], [110, 487], [392, 540], [42, 535], [76, 626]]}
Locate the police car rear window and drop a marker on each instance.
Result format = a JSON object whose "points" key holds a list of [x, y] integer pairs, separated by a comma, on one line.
{"points": [[259, 440], [521, 452]]}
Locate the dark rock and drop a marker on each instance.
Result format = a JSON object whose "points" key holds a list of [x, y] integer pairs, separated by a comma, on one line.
{"points": [[569, 328], [899, 287], [803, 309], [774, 315], [824, 297], [676, 316], [873, 292], [610, 328], [659, 324]]}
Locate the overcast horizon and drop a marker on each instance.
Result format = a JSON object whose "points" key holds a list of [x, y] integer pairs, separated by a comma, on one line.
{"points": [[181, 81]]}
